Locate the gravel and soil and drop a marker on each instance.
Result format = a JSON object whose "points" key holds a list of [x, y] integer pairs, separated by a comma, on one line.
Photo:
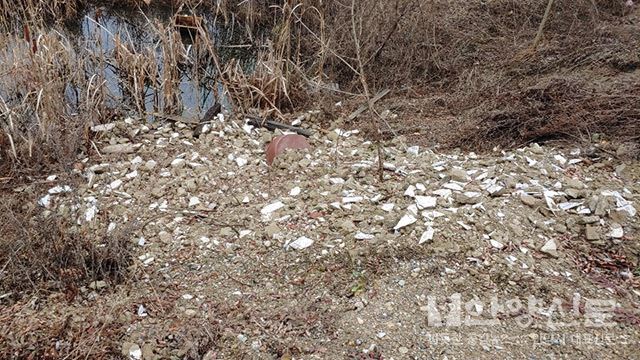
{"points": [[531, 253]]}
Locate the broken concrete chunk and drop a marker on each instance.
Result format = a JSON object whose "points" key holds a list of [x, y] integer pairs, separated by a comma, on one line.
{"points": [[127, 148], [427, 235], [496, 244], [459, 175], [550, 247], [529, 200], [574, 184], [426, 202], [617, 232], [406, 220], [592, 233], [363, 236], [301, 243], [468, 197], [272, 208]]}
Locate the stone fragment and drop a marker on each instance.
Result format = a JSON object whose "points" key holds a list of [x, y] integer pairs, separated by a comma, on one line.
{"points": [[592, 233], [529, 200], [459, 175], [550, 247]]}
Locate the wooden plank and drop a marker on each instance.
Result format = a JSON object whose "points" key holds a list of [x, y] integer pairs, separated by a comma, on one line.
{"points": [[365, 107]]}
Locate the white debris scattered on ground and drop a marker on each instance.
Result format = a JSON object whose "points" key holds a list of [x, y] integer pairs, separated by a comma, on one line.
{"points": [[213, 197]]}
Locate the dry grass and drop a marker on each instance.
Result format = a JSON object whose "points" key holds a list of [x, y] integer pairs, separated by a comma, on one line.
{"points": [[40, 253]]}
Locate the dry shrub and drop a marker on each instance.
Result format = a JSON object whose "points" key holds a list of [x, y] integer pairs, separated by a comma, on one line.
{"points": [[42, 254], [46, 103], [557, 108], [59, 333]]}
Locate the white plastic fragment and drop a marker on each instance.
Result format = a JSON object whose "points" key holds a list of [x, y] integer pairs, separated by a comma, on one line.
{"points": [[193, 201], [135, 352], [453, 186], [569, 205], [621, 203], [445, 193], [247, 128], [560, 159], [352, 199], [92, 208]]}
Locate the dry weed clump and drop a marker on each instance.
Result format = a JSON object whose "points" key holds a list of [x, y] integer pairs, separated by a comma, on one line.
{"points": [[50, 253], [557, 108], [46, 103]]}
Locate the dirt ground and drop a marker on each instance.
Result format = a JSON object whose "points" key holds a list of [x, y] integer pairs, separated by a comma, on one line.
{"points": [[531, 253]]}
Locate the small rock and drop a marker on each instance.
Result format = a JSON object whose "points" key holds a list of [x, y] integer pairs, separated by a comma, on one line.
{"points": [[272, 230], [119, 149], [529, 200], [97, 285], [460, 175], [468, 197], [178, 163], [150, 165], [592, 233], [550, 247], [574, 184]]}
